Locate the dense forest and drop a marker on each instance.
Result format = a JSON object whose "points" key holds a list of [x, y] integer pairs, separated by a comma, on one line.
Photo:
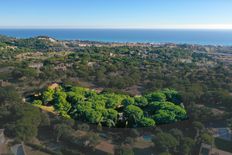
{"points": [[114, 110], [99, 81]]}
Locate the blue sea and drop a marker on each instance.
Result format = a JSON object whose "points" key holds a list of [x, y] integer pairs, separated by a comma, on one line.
{"points": [[203, 37]]}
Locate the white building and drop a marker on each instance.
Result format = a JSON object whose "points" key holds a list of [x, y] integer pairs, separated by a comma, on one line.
{"points": [[2, 137]]}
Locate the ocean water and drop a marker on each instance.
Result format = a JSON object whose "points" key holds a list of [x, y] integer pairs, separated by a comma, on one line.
{"points": [[203, 37]]}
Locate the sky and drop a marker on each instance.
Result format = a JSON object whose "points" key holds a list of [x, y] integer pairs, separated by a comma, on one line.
{"points": [[189, 14]]}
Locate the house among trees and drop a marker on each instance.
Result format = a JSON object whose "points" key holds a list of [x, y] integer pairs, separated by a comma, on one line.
{"points": [[36, 65], [1, 83], [4, 83], [205, 149], [222, 133], [2, 137], [3, 145], [18, 149], [61, 66], [53, 86]]}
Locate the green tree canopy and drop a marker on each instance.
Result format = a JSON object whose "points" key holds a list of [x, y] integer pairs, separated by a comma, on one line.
{"points": [[156, 97], [146, 122], [133, 114], [165, 142]]}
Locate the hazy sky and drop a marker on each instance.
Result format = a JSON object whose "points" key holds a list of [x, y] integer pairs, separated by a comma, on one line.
{"points": [[116, 13]]}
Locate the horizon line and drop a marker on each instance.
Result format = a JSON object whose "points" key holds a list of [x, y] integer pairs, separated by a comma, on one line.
{"points": [[165, 27], [109, 28]]}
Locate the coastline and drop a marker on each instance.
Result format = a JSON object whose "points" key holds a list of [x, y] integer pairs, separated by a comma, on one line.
{"points": [[123, 36]]}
